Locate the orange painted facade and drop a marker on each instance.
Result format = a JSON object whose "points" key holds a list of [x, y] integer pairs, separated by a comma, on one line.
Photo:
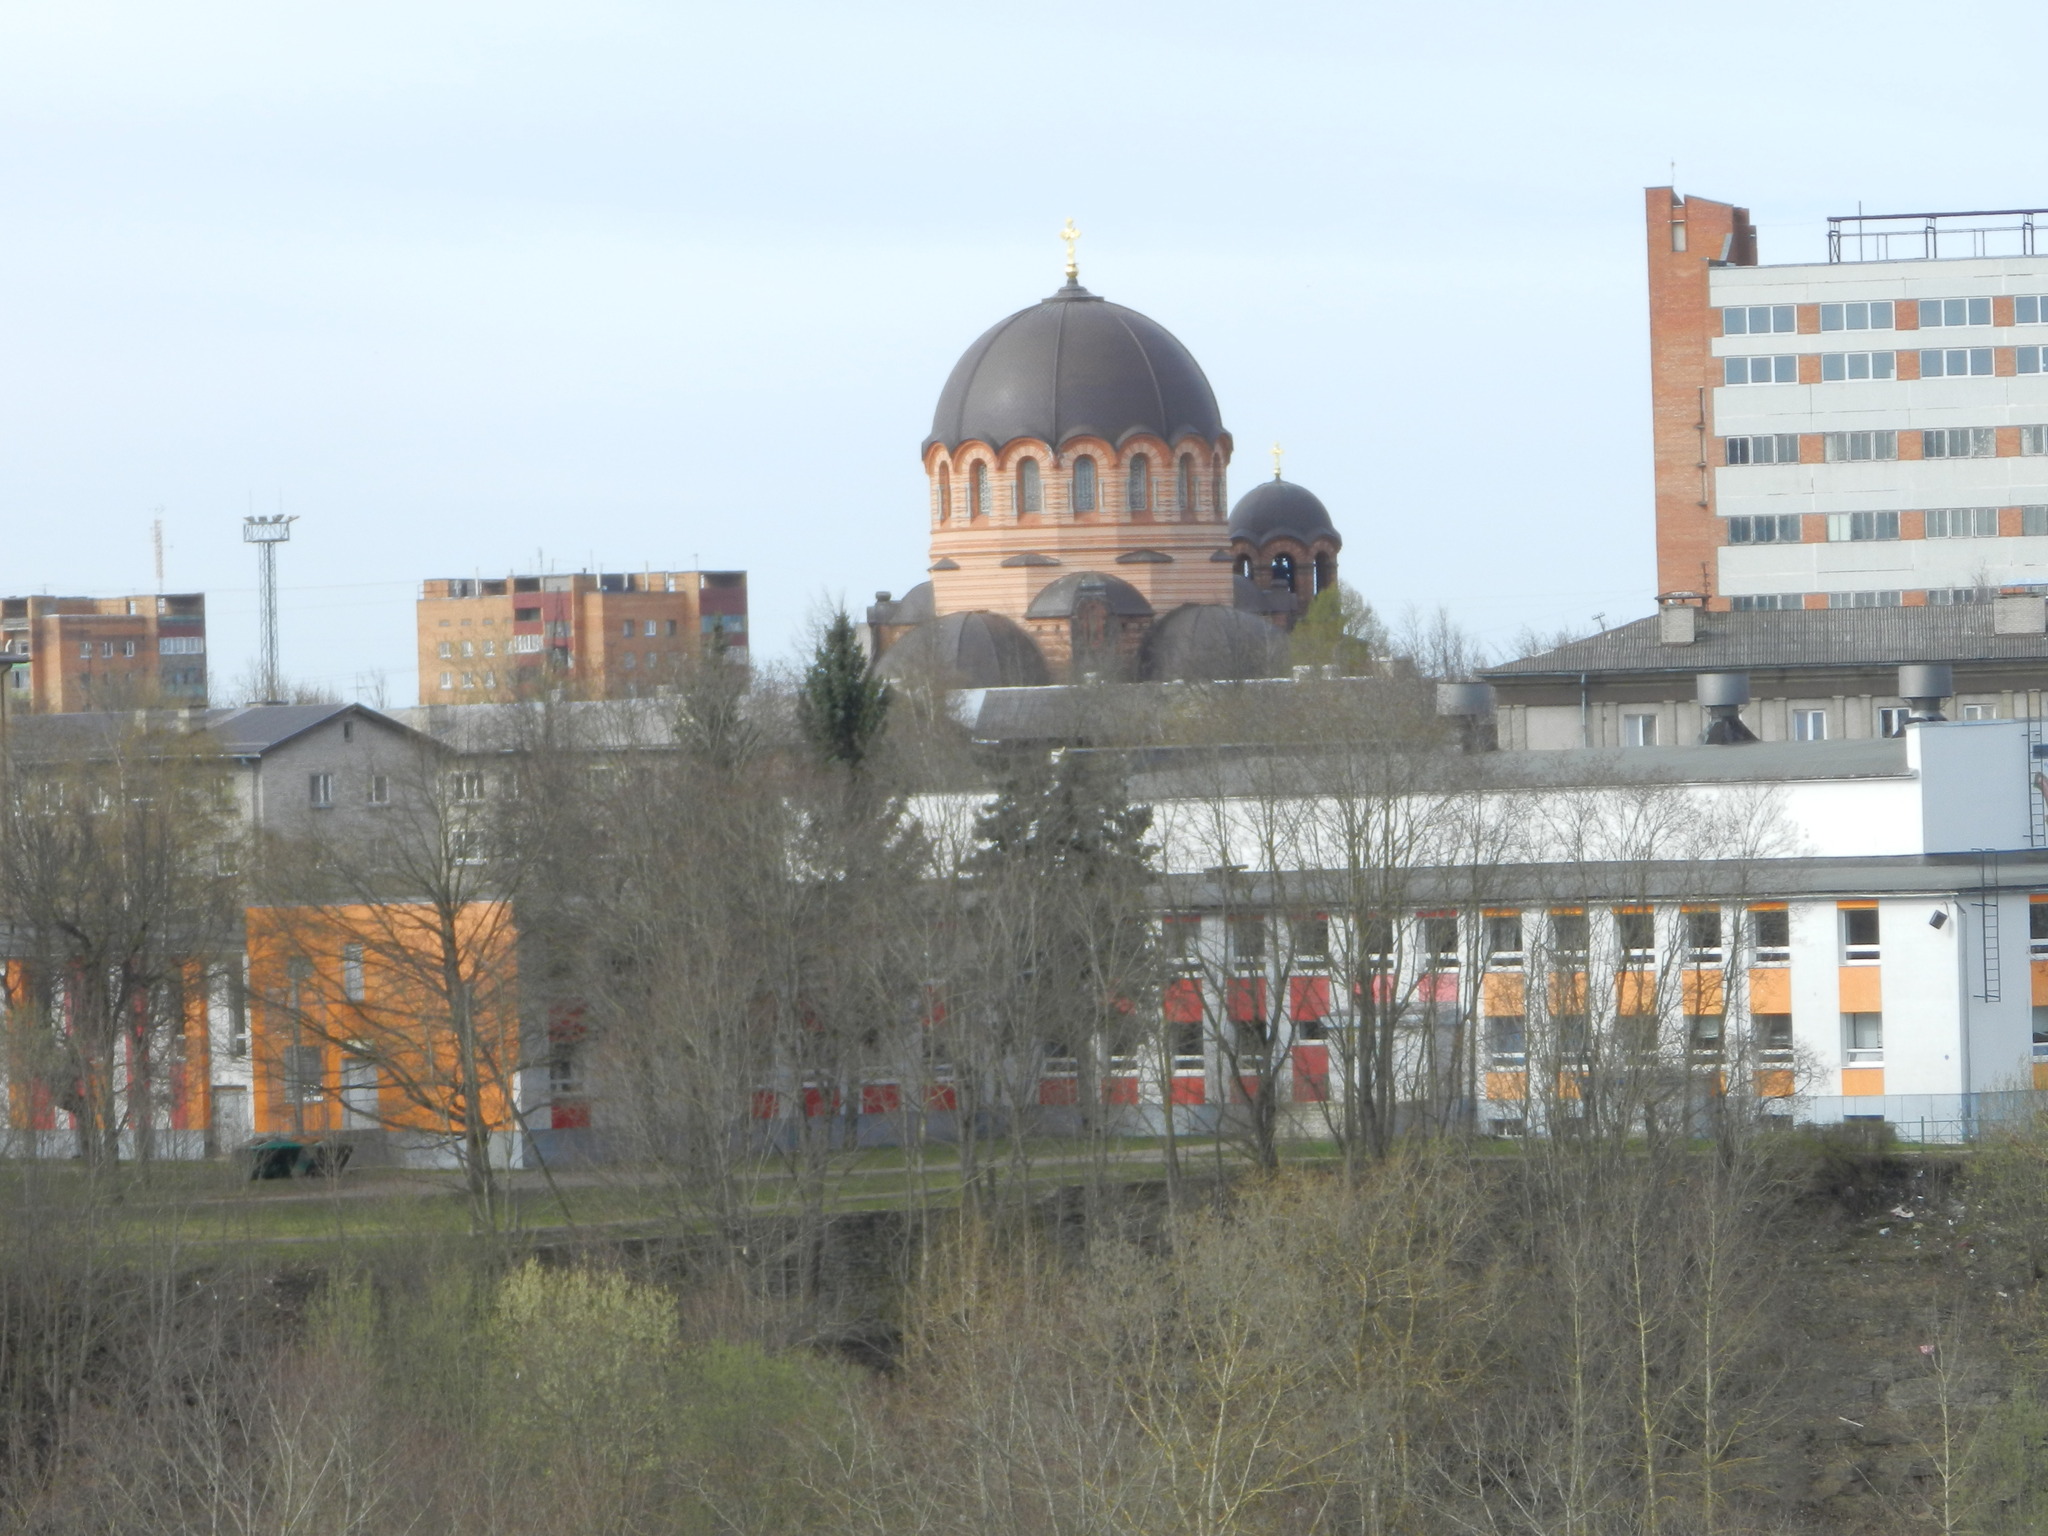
{"points": [[351, 1024]]}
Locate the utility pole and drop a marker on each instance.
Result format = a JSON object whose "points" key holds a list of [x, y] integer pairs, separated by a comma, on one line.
{"points": [[266, 533]]}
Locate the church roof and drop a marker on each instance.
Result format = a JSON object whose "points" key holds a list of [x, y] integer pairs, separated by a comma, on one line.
{"points": [[1075, 365], [1281, 509]]}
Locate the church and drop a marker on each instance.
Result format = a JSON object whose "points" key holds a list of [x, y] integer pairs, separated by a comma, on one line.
{"points": [[1077, 474]]}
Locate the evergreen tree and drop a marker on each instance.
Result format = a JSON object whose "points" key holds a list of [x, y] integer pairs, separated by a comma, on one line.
{"points": [[842, 704]]}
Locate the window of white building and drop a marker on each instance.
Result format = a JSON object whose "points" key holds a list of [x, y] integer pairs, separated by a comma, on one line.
{"points": [[1955, 362], [1809, 725], [1962, 522], [1959, 443], [1779, 448], [1766, 370], [1857, 317], [1862, 527], [1758, 320], [1639, 730], [1863, 1038], [1855, 447], [1781, 529], [1855, 365], [1942, 312]]}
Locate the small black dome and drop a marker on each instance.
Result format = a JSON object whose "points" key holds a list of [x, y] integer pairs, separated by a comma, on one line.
{"points": [[1059, 599], [1208, 643], [1074, 365], [968, 650], [1280, 508]]}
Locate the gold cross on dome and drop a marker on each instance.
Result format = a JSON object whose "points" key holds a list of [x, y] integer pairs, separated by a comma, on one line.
{"points": [[1070, 234], [1276, 461]]}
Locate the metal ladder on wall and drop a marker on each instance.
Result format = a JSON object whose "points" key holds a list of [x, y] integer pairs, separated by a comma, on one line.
{"points": [[1987, 924], [2037, 765]]}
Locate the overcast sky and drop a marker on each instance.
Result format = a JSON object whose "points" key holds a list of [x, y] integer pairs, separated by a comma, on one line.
{"points": [[469, 287]]}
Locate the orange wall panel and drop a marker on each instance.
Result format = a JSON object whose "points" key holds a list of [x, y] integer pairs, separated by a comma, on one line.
{"points": [[1863, 1082], [1770, 989], [1503, 994], [1862, 989]]}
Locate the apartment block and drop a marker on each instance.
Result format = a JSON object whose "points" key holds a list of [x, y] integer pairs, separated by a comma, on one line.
{"points": [[594, 636], [1866, 431], [66, 654]]}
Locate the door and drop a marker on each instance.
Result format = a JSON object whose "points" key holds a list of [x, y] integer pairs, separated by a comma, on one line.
{"points": [[230, 1117]]}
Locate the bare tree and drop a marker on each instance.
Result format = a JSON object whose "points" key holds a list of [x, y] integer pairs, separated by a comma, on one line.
{"points": [[117, 844]]}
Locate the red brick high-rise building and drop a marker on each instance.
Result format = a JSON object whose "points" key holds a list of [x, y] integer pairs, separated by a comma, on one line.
{"points": [[67, 654], [595, 636]]}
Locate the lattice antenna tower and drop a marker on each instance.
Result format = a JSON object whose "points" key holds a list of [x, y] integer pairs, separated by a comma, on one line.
{"points": [[266, 533]]}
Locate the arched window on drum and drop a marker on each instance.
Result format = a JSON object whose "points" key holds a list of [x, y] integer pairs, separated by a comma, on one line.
{"points": [[1029, 497], [1185, 499], [1138, 497], [1084, 484], [977, 492]]}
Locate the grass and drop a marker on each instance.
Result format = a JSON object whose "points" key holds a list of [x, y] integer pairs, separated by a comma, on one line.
{"points": [[214, 1206]]}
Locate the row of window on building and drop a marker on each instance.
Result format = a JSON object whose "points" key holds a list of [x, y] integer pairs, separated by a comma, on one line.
{"points": [[1868, 527], [1881, 446], [1837, 367], [1936, 597], [1640, 728], [1879, 315], [1084, 492]]}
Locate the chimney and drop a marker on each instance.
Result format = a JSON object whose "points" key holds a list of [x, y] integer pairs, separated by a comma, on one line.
{"points": [[1470, 707], [1721, 696], [1678, 617], [2019, 613], [1923, 686]]}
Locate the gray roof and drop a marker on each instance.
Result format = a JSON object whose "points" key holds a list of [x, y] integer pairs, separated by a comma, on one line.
{"points": [[1207, 642], [967, 650], [1307, 772], [1278, 509], [1058, 599], [1075, 365], [1791, 637], [242, 731]]}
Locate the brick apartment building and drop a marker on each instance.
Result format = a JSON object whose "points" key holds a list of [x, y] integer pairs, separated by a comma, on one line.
{"points": [[1866, 431], [484, 640], [67, 654]]}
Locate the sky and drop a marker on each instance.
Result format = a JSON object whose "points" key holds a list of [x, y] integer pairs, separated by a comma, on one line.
{"points": [[471, 288]]}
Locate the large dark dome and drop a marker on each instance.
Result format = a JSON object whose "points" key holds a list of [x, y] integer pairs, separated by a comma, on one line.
{"points": [[1075, 365], [968, 650], [1280, 508]]}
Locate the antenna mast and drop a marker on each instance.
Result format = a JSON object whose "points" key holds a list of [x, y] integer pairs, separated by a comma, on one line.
{"points": [[156, 539], [266, 533]]}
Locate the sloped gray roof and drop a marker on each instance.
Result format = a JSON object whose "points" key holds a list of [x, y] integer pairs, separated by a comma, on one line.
{"points": [[1790, 637], [242, 731]]}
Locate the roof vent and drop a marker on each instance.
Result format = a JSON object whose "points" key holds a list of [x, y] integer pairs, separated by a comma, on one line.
{"points": [[2019, 613], [1470, 706], [1923, 685], [1721, 696]]}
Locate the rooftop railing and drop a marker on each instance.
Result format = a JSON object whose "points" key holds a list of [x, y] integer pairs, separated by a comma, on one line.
{"points": [[1932, 236]]}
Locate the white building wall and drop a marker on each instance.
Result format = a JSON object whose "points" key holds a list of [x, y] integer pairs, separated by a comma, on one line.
{"points": [[1923, 1043], [1816, 994], [1904, 405]]}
